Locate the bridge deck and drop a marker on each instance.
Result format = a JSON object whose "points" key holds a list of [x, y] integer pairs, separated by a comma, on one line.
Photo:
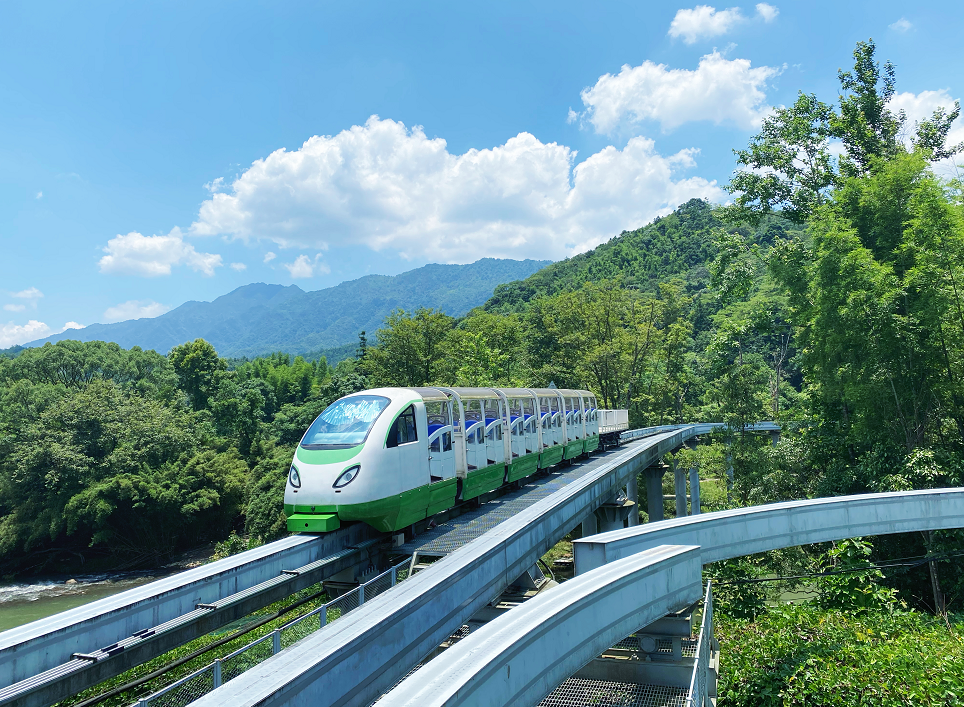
{"points": [[461, 530]]}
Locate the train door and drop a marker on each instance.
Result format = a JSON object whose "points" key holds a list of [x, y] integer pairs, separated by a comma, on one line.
{"points": [[529, 425], [517, 427], [545, 421], [441, 451], [474, 435], [407, 443], [494, 446]]}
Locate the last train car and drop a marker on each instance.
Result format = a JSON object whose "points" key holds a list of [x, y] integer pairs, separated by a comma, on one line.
{"points": [[391, 457]]}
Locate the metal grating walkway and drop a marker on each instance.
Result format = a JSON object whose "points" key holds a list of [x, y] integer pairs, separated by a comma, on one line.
{"points": [[578, 692], [453, 534]]}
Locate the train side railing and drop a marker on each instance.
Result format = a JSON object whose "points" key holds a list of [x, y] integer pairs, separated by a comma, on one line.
{"points": [[189, 688]]}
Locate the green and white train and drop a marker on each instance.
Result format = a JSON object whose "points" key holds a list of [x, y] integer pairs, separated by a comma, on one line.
{"points": [[393, 456]]}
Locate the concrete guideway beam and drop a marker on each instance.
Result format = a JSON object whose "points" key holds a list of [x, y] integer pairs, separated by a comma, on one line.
{"points": [[745, 531], [352, 663], [520, 657], [48, 644]]}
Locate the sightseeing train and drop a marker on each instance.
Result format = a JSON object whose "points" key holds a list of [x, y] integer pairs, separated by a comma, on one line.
{"points": [[391, 457]]}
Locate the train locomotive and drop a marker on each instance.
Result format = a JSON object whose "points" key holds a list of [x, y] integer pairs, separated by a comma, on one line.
{"points": [[391, 457]]}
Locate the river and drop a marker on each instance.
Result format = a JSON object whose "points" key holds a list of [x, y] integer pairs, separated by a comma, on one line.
{"points": [[23, 603]]}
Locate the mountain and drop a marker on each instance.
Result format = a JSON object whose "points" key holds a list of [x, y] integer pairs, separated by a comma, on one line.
{"points": [[257, 319], [678, 245]]}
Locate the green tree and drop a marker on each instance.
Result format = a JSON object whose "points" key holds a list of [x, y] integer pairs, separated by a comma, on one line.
{"points": [[410, 349], [198, 369]]}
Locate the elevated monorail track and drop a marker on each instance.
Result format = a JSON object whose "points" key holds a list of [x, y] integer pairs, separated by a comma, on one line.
{"points": [[50, 659], [351, 663]]}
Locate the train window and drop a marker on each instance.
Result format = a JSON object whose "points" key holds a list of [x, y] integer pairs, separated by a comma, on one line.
{"points": [[403, 429], [495, 432], [442, 443], [345, 423]]}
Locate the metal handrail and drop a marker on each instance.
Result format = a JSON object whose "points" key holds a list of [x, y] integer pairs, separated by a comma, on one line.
{"points": [[697, 696], [275, 637]]}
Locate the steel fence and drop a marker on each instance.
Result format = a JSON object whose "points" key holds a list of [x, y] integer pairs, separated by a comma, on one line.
{"points": [[699, 682], [189, 688]]}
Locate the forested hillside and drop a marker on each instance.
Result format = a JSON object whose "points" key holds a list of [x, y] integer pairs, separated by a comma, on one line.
{"points": [[258, 319]]}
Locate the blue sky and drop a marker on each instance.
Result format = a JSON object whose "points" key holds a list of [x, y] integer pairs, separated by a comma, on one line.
{"points": [[153, 153]]}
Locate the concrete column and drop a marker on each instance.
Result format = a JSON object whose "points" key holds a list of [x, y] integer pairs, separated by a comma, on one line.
{"points": [[590, 526], [775, 438], [679, 481], [632, 493], [694, 491], [654, 492]]}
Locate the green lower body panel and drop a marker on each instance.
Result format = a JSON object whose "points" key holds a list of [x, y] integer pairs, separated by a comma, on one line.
{"points": [[573, 449], [392, 513], [482, 481], [550, 456], [313, 523], [522, 467], [441, 495], [592, 444]]}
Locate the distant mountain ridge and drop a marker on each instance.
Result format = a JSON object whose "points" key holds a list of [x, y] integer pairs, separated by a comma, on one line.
{"points": [[258, 319]]}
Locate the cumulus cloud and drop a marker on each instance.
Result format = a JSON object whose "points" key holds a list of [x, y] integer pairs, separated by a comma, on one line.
{"points": [[719, 89], [269, 256], [703, 21], [921, 106], [135, 309], [303, 266], [150, 256], [240, 267], [12, 334], [384, 186], [901, 25], [768, 13]]}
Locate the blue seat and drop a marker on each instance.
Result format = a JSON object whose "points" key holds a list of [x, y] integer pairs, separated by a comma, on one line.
{"points": [[434, 428]]}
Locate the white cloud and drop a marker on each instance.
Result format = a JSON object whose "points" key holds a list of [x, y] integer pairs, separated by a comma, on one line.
{"points": [[383, 186], [767, 12], [135, 309], [303, 266], [269, 256], [136, 254], [40, 195], [901, 25], [31, 293], [921, 106], [215, 185], [240, 267], [721, 90], [703, 21], [12, 334]]}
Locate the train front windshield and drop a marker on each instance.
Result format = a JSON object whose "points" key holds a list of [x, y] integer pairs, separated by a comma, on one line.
{"points": [[345, 423]]}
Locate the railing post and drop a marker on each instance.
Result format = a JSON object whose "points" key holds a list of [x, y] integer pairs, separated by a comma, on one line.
{"points": [[217, 673], [323, 616], [276, 641], [394, 575], [361, 594]]}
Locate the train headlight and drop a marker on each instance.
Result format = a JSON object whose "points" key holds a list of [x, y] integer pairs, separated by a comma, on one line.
{"points": [[346, 477], [294, 478]]}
